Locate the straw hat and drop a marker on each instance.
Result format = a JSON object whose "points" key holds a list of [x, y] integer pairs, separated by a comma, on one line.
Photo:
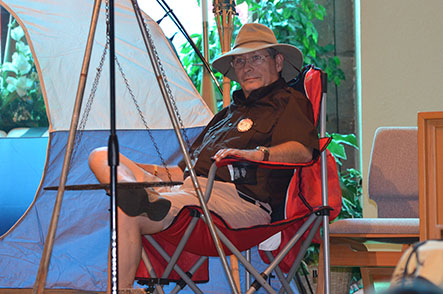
{"points": [[253, 37]]}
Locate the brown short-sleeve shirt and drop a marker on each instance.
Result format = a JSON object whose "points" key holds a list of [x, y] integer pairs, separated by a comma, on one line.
{"points": [[270, 116]]}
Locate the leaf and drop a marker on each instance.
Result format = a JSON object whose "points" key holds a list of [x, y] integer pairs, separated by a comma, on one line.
{"points": [[21, 63], [320, 12], [23, 48], [8, 66], [311, 32], [337, 150], [348, 139], [12, 84], [287, 13], [17, 33], [185, 49]]}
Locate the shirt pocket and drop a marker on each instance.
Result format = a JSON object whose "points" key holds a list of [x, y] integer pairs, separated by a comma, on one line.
{"points": [[262, 130]]}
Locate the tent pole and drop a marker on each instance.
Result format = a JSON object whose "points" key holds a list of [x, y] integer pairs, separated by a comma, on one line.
{"points": [[179, 25], [224, 11], [207, 90], [187, 158], [42, 273]]}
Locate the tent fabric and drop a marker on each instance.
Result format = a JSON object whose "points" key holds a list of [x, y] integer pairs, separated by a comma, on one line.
{"points": [[79, 259], [57, 32]]}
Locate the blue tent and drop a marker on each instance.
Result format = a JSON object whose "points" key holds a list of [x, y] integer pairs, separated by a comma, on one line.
{"points": [[57, 33]]}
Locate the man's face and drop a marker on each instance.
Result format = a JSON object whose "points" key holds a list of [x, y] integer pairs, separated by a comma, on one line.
{"points": [[259, 70]]}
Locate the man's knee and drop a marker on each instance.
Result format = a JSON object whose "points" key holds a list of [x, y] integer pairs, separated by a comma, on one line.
{"points": [[140, 225], [98, 163], [98, 155]]}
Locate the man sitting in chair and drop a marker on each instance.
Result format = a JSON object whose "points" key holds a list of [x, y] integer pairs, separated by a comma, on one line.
{"points": [[267, 121]]}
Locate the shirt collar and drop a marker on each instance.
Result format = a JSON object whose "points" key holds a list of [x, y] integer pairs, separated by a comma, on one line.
{"points": [[240, 99]]}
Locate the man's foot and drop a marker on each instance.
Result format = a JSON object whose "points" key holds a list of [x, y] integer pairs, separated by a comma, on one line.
{"points": [[136, 201]]}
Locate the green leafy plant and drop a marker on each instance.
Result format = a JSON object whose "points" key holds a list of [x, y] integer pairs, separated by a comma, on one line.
{"points": [[192, 63], [21, 101], [292, 22], [350, 179]]}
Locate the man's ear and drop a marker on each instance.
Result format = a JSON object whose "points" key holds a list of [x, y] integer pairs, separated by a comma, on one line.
{"points": [[279, 58]]}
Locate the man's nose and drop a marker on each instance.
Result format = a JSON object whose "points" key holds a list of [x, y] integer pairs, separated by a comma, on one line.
{"points": [[248, 67]]}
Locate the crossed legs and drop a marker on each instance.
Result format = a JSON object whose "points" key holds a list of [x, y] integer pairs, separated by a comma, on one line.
{"points": [[130, 228], [224, 201]]}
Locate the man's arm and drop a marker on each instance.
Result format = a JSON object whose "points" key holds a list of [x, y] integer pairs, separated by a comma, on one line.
{"points": [[291, 151]]}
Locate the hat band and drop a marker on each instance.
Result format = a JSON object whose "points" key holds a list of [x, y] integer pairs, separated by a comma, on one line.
{"points": [[254, 44]]}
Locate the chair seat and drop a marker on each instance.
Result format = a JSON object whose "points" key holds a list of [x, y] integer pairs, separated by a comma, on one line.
{"points": [[391, 226]]}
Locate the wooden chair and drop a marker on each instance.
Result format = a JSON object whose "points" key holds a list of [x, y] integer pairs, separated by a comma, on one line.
{"points": [[393, 185], [430, 171]]}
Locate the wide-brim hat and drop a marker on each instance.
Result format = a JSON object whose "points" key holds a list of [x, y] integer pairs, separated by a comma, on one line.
{"points": [[253, 37]]}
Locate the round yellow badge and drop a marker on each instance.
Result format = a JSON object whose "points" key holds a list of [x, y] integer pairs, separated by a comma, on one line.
{"points": [[245, 125]]}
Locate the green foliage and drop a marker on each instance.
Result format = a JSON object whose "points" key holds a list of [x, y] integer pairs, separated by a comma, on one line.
{"points": [[351, 188], [350, 179], [292, 22], [21, 101], [337, 145], [192, 63]]}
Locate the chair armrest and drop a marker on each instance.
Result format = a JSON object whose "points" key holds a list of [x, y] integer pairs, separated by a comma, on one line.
{"points": [[324, 142]]}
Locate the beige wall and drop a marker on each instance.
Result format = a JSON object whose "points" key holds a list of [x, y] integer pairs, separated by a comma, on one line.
{"points": [[401, 61]]}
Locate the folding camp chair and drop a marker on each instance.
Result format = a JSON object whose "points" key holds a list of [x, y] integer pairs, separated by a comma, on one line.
{"points": [[180, 253]]}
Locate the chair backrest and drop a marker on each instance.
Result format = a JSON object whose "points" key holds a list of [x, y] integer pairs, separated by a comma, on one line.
{"points": [[310, 83], [305, 190], [393, 172]]}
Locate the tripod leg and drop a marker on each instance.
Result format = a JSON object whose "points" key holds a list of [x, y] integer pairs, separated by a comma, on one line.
{"points": [[42, 273], [175, 123]]}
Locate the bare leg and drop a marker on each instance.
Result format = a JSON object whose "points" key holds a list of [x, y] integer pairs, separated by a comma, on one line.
{"points": [[128, 171], [130, 229]]}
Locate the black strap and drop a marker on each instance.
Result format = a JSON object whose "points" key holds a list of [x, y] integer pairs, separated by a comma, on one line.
{"points": [[253, 201]]}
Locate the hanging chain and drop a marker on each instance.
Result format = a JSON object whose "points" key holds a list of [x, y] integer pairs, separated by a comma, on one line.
{"points": [[87, 109], [140, 113], [88, 106], [165, 79]]}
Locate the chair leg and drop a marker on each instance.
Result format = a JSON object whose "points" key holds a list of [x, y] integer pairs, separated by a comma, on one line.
{"points": [[368, 282], [371, 274], [235, 271], [321, 275], [151, 271]]}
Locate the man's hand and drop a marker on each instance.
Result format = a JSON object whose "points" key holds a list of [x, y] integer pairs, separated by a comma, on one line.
{"points": [[293, 152], [249, 154]]}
